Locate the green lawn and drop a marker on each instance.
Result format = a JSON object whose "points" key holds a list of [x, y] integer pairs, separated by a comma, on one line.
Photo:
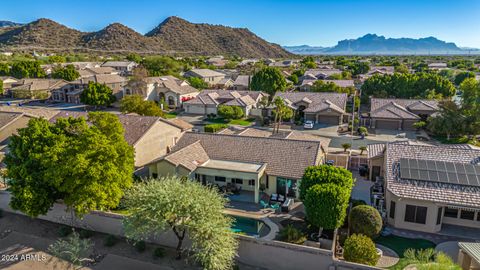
{"points": [[400, 244], [458, 140], [170, 115]]}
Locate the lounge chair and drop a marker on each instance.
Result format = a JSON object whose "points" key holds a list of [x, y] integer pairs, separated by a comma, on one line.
{"points": [[275, 206], [264, 204]]}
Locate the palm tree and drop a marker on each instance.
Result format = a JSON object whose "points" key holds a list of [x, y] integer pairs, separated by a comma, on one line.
{"points": [[362, 148]]}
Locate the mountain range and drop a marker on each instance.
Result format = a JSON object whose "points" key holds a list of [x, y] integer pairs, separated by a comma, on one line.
{"points": [[173, 36], [374, 44]]}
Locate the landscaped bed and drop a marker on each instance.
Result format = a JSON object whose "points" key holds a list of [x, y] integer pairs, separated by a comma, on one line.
{"points": [[239, 122]]}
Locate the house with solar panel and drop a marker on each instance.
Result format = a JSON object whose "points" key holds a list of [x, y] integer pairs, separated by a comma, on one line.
{"points": [[426, 187]]}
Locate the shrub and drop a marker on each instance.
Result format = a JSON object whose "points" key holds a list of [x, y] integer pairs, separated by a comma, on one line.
{"points": [[237, 112], [291, 234], [72, 249], [363, 130], [159, 252], [140, 246], [85, 234], [366, 220], [357, 202], [110, 241], [64, 231], [360, 249], [225, 111], [212, 128]]}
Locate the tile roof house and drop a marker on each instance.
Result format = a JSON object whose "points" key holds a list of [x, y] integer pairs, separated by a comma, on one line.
{"points": [[273, 163], [89, 72], [71, 92], [208, 101], [124, 67], [319, 74], [377, 70], [151, 137], [242, 82], [169, 88], [324, 108], [211, 77], [35, 88], [7, 82], [427, 186], [399, 114]]}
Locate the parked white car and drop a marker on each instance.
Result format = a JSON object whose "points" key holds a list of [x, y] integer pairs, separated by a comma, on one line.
{"points": [[308, 124]]}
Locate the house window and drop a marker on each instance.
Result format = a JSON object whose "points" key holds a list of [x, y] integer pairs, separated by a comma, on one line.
{"points": [[439, 215], [392, 209], [237, 181], [251, 182], [415, 214], [220, 179], [466, 214], [450, 212]]}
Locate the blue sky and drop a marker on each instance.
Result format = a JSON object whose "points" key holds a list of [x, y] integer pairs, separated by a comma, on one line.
{"points": [[286, 22]]}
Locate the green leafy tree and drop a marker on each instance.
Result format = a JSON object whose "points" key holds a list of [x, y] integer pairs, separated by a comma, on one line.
{"points": [[325, 174], [293, 78], [136, 104], [362, 149], [346, 146], [322, 86], [97, 94], [401, 68], [470, 105], [56, 59], [326, 205], [134, 57], [449, 121], [4, 69], [1, 88], [281, 112], [197, 83], [162, 65], [366, 220], [359, 67], [85, 164], [269, 80], [27, 69], [225, 111], [68, 73], [184, 207], [460, 77], [360, 249]]}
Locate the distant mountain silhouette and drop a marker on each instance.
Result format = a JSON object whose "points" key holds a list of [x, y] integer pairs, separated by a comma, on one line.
{"points": [[374, 44], [8, 24], [172, 36]]}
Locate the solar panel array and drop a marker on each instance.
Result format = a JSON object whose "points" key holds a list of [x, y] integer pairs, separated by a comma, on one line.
{"points": [[440, 171]]}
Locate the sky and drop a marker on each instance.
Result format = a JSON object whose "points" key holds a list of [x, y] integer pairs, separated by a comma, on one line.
{"points": [[286, 22]]}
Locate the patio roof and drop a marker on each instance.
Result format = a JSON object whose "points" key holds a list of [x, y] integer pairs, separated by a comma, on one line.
{"points": [[233, 165], [472, 249]]}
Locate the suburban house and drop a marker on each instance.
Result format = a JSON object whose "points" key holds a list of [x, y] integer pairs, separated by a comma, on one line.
{"points": [[70, 93], [217, 61], [150, 136], [377, 70], [208, 100], [211, 77], [271, 165], [225, 83], [89, 72], [398, 114], [430, 188], [169, 88], [242, 82], [285, 63], [35, 88], [318, 74], [7, 82], [437, 66], [307, 84], [322, 108], [124, 67]]}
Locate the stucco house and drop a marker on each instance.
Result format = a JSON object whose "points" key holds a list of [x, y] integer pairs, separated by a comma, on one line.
{"points": [[242, 82], [123, 67], [208, 101], [274, 165], [36, 88], [322, 108], [318, 74], [398, 114], [173, 90], [10, 122], [211, 77], [151, 137], [71, 91], [91, 71], [430, 188]]}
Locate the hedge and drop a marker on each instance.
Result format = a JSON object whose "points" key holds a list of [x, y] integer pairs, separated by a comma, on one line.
{"points": [[360, 249], [366, 220], [213, 128]]}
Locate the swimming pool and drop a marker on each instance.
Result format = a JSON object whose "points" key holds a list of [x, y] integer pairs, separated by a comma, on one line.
{"points": [[249, 226]]}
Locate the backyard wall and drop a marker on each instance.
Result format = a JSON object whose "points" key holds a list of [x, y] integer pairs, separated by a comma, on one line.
{"points": [[255, 252]]}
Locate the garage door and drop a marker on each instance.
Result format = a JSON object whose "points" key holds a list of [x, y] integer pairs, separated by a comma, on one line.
{"points": [[310, 117], [194, 109], [331, 120], [385, 124]]}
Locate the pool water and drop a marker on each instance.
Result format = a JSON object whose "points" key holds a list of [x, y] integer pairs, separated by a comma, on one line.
{"points": [[248, 226]]}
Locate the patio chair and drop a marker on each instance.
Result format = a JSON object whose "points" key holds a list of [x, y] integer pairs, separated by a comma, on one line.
{"points": [[275, 206], [264, 204]]}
